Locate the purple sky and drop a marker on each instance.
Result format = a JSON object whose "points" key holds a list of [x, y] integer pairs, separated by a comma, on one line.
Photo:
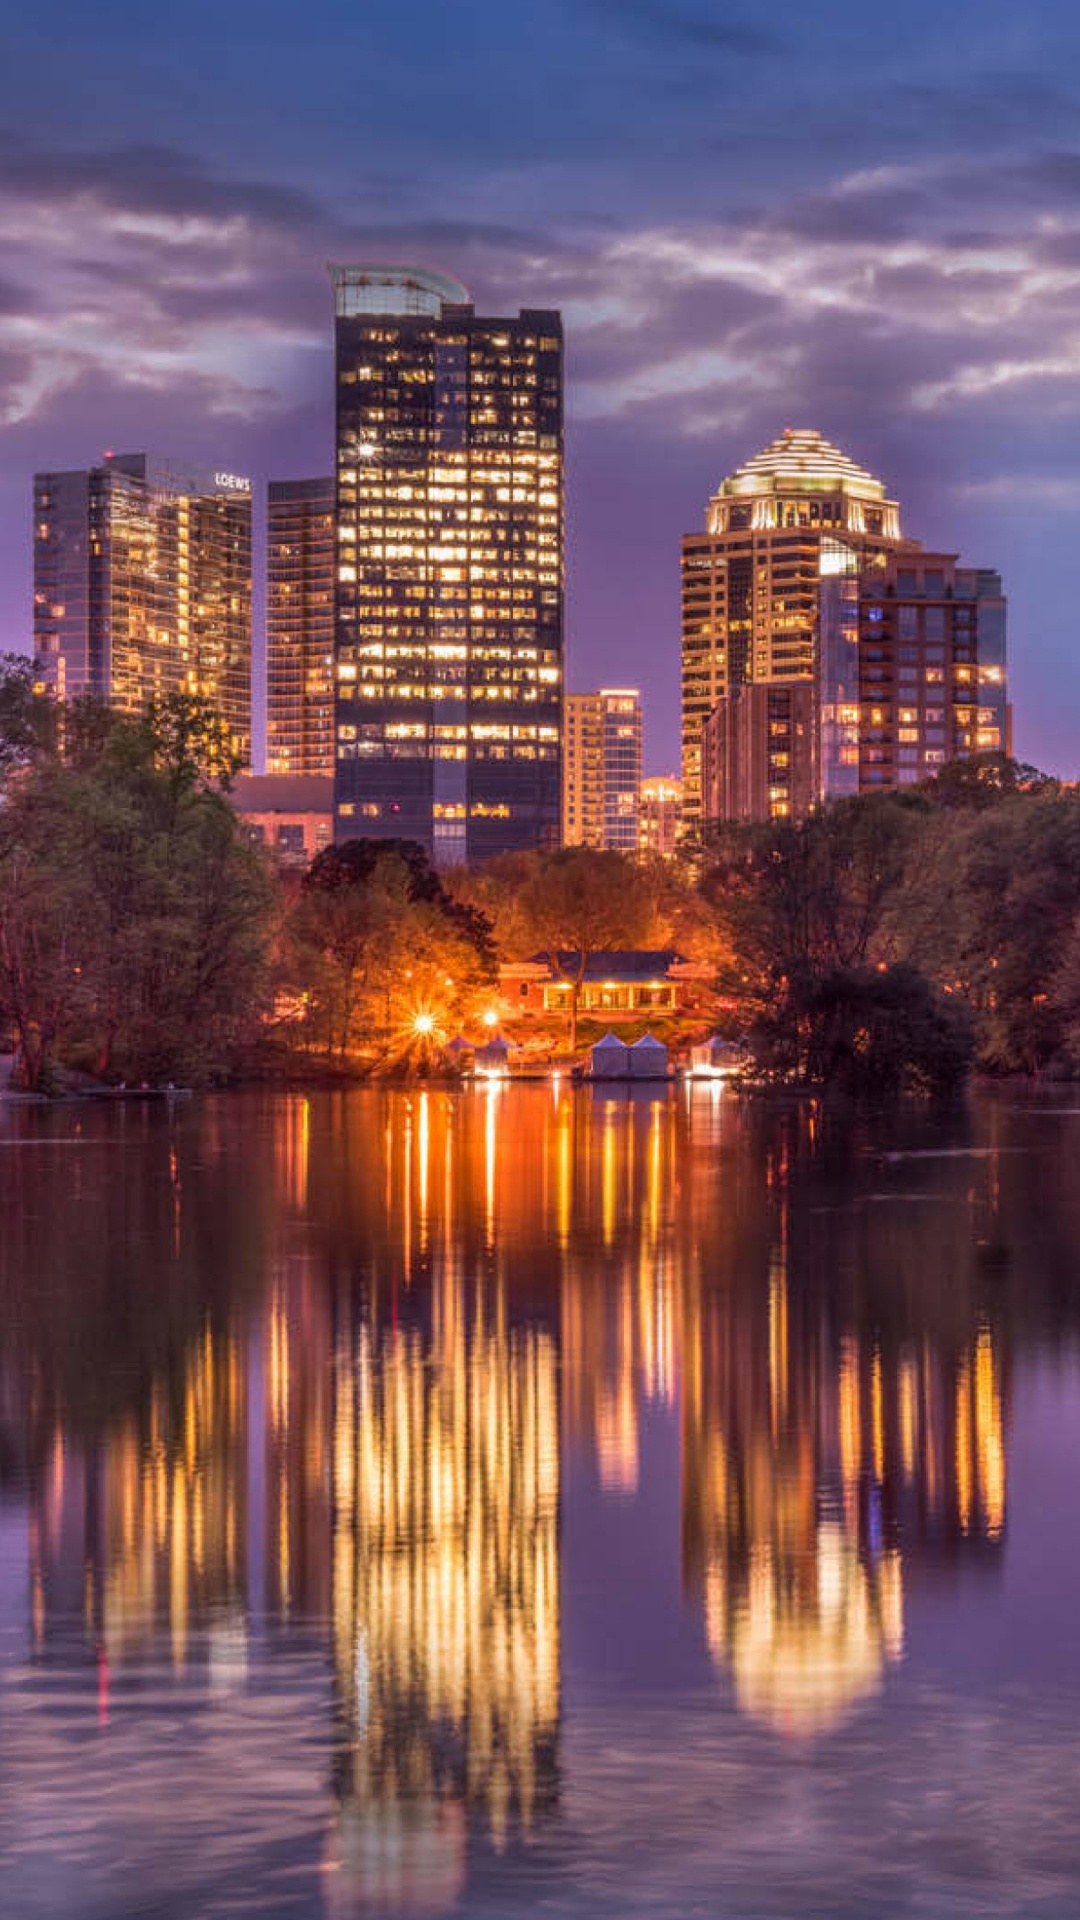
{"points": [[862, 220]]}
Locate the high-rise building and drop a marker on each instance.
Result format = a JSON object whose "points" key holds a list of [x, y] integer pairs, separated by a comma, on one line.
{"points": [[142, 585], [582, 771], [602, 768], [300, 557], [660, 813], [449, 610], [803, 577], [759, 758], [931, 666]]}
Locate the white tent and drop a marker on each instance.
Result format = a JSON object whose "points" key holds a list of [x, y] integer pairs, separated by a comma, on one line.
{"points": [[610, 1059], [716, 1057], [648, 1058], [492, 1057]]}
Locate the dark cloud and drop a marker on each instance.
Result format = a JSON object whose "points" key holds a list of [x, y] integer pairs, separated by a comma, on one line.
{"points": [[683, 27], [145, 179]]}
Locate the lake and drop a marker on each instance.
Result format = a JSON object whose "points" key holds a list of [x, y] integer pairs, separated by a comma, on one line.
{"points": [[539, 1500]]}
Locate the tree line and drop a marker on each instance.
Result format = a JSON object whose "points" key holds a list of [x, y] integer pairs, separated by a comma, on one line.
{"points": [[893, 940]]}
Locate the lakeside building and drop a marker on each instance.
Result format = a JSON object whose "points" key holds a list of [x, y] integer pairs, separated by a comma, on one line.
{"points": [[300, 552], [449, 592], [660, 813], [803, 578], [142, 585], [602, 768], [619, 984]]}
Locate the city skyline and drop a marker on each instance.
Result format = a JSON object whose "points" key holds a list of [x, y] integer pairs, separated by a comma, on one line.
{"points": [[901, 278]]}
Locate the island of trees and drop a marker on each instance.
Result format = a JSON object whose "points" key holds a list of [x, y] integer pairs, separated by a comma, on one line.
{"points": [[896, 940]]}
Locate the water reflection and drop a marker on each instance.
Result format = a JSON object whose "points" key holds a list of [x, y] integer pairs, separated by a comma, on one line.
{"points": [[293, 1372]]}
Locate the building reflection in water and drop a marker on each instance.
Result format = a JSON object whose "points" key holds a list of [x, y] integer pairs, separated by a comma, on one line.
{"points": [[616, 1316], [445, 1589], [458, 1295], [825, 1461], [445, 1477]]}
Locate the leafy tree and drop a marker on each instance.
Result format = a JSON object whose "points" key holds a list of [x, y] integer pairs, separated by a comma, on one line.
{"points": [[379, 941], [134, 914], [981, 780], [867, 1031], [989, 911], [27, 717], [794, 903], [571, 904]]}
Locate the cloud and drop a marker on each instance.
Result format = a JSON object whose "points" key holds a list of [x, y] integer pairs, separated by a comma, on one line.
{"points": [[876, 291], [685, 28]]}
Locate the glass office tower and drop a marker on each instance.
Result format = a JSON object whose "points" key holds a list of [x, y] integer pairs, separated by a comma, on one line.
{"points": [[142, 585], [300, 558], [449, 613]]}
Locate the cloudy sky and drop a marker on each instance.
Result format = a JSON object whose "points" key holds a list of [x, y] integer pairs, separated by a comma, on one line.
{"points": [[860, 218]]}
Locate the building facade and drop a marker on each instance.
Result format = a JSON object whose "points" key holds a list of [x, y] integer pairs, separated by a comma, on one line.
{"points": [[291, 813], [602, 768], [617, 985], [300, 563], [660, 813], [142, 585], [803, 578], [449, 592], [759, 756], [931, 667]]}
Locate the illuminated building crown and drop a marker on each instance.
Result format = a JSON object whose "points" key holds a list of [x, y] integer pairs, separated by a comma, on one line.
{"points": [[801, 465]]}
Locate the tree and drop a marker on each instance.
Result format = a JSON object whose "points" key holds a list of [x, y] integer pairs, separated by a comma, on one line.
{"points": [[577, 902], [794, 903], [869, 1031], [27, 717], [988, 910], [134, 913], [381, 944]]}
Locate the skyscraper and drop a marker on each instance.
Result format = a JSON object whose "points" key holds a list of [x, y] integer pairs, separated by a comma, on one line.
{"points": [[799, 579], [602, 768], [449, 613], [300, 551], [142, 585]]}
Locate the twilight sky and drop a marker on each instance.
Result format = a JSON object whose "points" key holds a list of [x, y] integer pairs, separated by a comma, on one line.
{"points": [[860, 218]]}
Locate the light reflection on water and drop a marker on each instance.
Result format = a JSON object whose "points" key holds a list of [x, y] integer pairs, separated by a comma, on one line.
{"points": [[425, 1503]]}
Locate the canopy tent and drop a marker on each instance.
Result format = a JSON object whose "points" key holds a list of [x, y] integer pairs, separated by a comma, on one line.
{"points": [[492, 1056], [715, 1056], [610, 1059], [648, 1058]]}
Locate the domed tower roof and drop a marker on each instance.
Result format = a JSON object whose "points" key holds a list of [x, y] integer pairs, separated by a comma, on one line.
{"points": [[802, 456], [800, 467]]}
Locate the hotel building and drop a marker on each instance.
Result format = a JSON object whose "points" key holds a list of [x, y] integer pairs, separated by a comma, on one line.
{"points": [[802, 578], [602, 768], [449, 595], [142, 585], [300, 549]]}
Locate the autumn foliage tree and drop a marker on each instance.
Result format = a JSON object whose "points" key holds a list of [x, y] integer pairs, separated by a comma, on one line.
{"points": [[570, 904], [379, 943]]}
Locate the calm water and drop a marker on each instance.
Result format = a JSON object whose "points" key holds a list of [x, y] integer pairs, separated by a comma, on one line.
{"points": [[517, 1502]]}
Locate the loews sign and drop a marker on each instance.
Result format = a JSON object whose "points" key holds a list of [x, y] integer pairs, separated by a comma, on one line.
{"points": [[235, 482]]}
